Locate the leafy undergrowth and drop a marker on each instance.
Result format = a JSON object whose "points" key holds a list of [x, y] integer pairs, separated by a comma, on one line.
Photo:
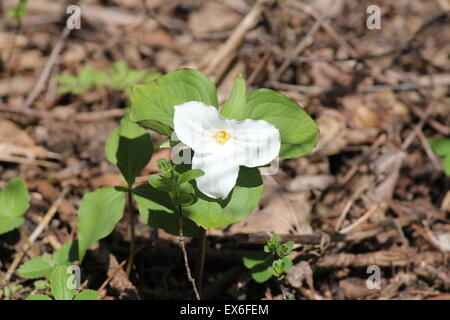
{"points": [[377, 174]]}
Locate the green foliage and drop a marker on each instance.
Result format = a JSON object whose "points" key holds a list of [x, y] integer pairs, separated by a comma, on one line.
{"points": [[130, 148], [67, 253], [159, 201], [8, 291], [40, 285], [298, 131], [152, 105], [118, 77], [215, 213], [62, 288], [276, 248], [174, 183], [83, 82], [43, 265], [121, 77], [98, 215], [59, 284], [19, 12], [87, 295], [39, 296], [234, 107], [14, 201], [274, 263], [38, 267], [442, 148], [156, 208]]}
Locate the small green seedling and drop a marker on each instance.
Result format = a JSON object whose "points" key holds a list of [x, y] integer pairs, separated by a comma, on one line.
{"points": [[8, 291], [14, 202], [19, 12], [442, 148], [118, 77], [279, 252], [274, 263], [62, 288]]}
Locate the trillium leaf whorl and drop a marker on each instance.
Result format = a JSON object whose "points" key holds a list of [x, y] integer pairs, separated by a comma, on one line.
{"points": [[251, 130]]}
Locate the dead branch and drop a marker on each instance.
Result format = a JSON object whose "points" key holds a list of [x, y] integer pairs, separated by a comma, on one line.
{"points": [[391, 258]]}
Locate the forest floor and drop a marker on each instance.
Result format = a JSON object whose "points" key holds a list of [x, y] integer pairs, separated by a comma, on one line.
{"points": [[377, 95]]}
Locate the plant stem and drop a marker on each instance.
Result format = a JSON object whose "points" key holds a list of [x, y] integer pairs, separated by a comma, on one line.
{"points": [[132, 234], [183, 248], [283, 290], [200, 259]]}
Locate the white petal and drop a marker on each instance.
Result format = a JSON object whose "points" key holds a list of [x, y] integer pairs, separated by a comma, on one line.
{"points": [[195, 124], [221, 172], [257, 142]]}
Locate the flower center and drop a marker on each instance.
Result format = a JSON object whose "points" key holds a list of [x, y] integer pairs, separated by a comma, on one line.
{"points": [[221, 136]]}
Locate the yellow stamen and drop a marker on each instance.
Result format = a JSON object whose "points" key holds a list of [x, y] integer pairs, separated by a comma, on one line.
{"points": [[221, 136]]}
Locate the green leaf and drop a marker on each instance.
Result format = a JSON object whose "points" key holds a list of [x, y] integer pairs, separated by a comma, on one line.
{"points": [[441, 146], [19, 12], [185, 196], [118, 77], [159, 182], [252, 259], [289, 246], [234, 107], [157, 210], [98, 214], [39, 296], [84, 81], [112, 145], [212, 213], [40, 284], [166, 167], [152, 105], [36, 268], [156, 126], [447, 164], [190, 175], [287, 263], [67, 253], [258, 264], [121, 77], [17, 288], [8, 224], [184, 199], [14, 199], [87, 295], [130, 148], [297, 130], [60, 283]]}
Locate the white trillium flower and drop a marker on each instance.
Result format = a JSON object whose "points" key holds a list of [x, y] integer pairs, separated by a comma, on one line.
{"points": [[222, 145]]}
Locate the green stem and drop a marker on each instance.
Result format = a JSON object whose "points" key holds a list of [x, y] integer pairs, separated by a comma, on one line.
{"points": [[200, 259], [132, 234]]}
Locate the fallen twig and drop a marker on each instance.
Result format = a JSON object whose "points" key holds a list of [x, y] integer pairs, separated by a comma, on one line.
{"points": [[81, 117], [39, 86], [236, 37]]}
